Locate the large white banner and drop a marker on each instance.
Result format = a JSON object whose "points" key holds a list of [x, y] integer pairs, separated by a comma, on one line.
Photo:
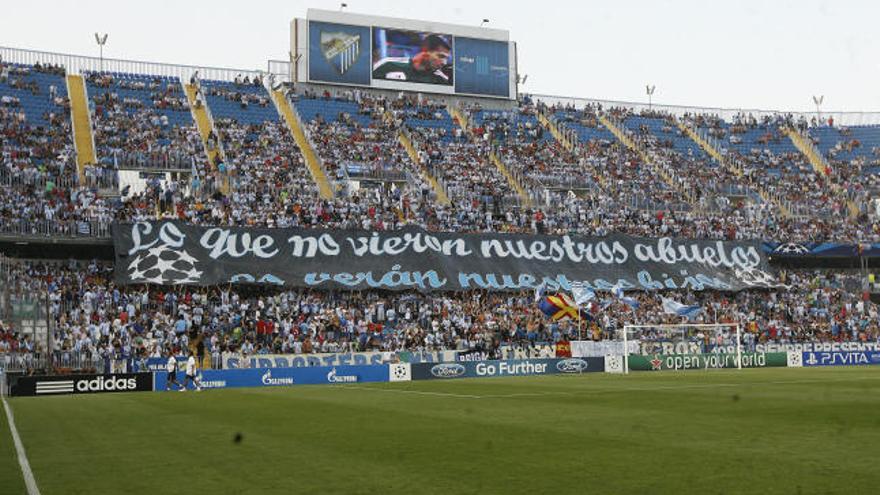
{"points": [[237, 361], [601, 348]]}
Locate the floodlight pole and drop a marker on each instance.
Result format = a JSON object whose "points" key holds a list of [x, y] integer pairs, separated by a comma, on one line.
{"points": [[649, 89], [818, 101], [101, 40]]}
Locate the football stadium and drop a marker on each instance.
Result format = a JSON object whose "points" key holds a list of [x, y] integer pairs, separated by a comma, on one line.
{"points": [[387, 264]]}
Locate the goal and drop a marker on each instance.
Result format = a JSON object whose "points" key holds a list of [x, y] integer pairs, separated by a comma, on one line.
{"points": [[685, 345]]}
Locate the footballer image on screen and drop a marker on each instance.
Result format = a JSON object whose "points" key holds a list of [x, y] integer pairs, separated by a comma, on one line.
{"points": [[400, 55]]}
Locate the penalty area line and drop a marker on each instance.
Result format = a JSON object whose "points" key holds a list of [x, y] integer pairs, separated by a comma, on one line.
{"points": [[29, 481]]}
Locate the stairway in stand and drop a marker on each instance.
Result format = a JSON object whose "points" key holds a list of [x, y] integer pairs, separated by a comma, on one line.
{"points": [[731, 165], [299, 135], [821, 166], [83, 139], [203, 122], [493, 157], [557, 133], [629, 143], [442, 198]]}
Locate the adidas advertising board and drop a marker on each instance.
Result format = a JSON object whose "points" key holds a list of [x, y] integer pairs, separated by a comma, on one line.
{"points": [[82, 384]]}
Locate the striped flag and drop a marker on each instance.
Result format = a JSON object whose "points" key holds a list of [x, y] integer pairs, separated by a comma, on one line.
{"points": [[539, 292], [629, 301], [676, 308], [558, 307], [582, 294]]}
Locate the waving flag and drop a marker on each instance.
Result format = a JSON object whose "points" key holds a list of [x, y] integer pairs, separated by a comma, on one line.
{"points": [[558, 307], [539, 292], [671, 307], [629, 301], [581, 294]]}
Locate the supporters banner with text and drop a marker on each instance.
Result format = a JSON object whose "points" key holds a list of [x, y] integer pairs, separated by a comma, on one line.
{"points": [[236, 361], [174, 253]]}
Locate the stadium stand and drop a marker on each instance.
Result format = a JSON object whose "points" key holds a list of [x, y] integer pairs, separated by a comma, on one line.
{"points": [[393, 161], [140, 119], [458, 164], [41, 191], [97, 318]]}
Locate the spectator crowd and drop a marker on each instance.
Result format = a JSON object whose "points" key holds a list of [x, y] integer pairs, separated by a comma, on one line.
{"points": [[89, 313]]}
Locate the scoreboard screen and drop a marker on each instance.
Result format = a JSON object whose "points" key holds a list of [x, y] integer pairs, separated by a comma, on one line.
{"points": [[360, 50]]}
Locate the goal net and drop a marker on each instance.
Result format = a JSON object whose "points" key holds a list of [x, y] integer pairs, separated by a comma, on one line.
{"points": [[680, 347]]}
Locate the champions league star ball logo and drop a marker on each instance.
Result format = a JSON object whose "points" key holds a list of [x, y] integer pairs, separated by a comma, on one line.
{"points": [[791, 248], [164, 265], [754, 277]]}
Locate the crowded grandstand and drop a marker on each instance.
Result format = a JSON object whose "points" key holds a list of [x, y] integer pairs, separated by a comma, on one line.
{"points": [[388, 161], [151, 212]]}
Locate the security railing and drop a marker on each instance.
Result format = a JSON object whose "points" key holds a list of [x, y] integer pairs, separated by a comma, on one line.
{"points": [[367, 171], [80, 64], [94, 178], [840, 117], [282, 70], [166, 161], [18, 227], [651, 204], [567, 182], [30, 178], [59, 362]]}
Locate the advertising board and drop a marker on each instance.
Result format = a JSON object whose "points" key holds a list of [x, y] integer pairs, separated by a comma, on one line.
{"points": [[274, 377], [524, 367], [838, 358], [664, 362], [81, 384]]}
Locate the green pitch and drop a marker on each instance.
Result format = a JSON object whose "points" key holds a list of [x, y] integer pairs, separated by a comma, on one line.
{"points": [[785, 431]]}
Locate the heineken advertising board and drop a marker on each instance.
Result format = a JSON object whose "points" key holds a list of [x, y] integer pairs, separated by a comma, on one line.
{"points": [[660, 362]]}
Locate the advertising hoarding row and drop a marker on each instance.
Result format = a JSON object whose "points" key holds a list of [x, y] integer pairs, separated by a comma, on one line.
{"points": [[397, 372]]}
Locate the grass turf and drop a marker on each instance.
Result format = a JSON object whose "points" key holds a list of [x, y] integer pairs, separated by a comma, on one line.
{"points": [[718, 432], [11, 480]]}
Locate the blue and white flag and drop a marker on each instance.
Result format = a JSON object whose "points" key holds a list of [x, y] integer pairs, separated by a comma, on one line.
{"points": [[676, 308], [629, 301], [581, 294], [539, 292]]}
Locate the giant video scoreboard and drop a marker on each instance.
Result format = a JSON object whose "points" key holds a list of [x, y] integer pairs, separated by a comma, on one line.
{"points": [[403, 54]]}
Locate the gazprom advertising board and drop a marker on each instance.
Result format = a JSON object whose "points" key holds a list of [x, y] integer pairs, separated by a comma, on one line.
{"points": [[403, 54]]}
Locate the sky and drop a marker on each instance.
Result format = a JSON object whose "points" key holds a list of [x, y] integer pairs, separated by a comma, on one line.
{"points": [[770, 54]]}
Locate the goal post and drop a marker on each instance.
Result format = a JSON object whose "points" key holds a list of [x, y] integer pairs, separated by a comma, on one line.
{"points": [[682, 328]]}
